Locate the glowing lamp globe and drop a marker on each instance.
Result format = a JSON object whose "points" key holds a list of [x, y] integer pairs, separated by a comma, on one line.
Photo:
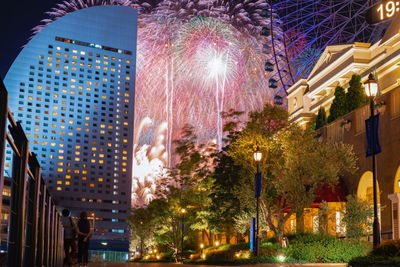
{"points": [[183, 210], [371, 86], [257, 155]]}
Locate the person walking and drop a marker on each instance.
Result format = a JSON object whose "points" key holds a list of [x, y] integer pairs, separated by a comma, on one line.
{"points": [[84, 232], [69, 236]]}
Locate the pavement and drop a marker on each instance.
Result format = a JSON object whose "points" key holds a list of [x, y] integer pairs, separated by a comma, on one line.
{"points": [[123, 264]]}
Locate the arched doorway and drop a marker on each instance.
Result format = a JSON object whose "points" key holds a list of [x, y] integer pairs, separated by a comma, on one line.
{"points": [[365, 188]]}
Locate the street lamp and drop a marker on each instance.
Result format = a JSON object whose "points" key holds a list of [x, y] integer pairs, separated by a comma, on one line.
{"points": [[371, 89], [183, 228], [257, 158]]}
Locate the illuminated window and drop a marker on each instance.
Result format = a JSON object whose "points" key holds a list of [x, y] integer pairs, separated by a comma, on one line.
{"points": [[59, 188]]}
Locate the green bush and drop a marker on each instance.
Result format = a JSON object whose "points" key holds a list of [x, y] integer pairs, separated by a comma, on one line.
{"points": [[324, 249], [373, 260], [235, 261], [239, 246], [389, 248], [385, 254], [221, 254]]}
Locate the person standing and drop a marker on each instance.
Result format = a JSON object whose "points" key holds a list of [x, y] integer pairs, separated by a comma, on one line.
{"points": [[84, 232], [69, 236]]}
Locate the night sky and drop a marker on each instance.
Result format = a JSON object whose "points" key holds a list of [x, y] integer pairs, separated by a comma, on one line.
{"points": [[17, 18]]}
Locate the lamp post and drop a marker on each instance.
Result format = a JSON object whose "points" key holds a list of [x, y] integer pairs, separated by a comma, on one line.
{"points": [[257, 158], [182, 228], [371, 89]]}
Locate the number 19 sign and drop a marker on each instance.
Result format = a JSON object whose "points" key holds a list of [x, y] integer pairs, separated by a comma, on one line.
{"points": [[383, 11]]}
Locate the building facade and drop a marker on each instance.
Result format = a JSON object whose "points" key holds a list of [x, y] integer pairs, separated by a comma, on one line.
{"points": [[73, 88], [335, 68]]}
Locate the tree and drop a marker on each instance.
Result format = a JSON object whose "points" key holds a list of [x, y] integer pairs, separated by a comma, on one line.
{"points": [[325, 214], [339, 106], [298, 165], [141, 223], [355, 96], [224, 205], [357, 217], [321, 118], [294, 166], [194, 173]]}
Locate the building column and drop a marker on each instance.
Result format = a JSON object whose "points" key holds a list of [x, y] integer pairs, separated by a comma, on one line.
{"points": [[395, 198]]}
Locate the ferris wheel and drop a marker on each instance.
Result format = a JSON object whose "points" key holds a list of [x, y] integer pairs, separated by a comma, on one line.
{"points": [[300, 30]]}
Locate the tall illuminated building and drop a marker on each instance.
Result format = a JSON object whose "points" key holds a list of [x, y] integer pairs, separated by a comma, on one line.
{"points": [[73, 88]]}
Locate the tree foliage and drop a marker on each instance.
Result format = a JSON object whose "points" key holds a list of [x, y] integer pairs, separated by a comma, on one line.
{"points": [[321, 118], [217, 188], [339, 106], [357, 217], [294, 167], [189, 191], [355, 96]]}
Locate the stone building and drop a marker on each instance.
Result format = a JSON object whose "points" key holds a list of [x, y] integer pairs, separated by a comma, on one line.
{"points": [[335, 67]]}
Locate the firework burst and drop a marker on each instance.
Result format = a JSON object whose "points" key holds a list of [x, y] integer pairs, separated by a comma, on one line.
{"points": [[195, 60]]}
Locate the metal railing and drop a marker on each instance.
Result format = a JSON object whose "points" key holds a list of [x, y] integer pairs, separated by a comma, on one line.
{"points": [[35, 232]]}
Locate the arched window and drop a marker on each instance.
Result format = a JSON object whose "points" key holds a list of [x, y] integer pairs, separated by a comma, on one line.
{"points": [[365, 188], [396, 188]]}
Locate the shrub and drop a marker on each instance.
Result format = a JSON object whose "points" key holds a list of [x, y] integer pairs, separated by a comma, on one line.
{"points": [[355, 96], [389, 248], [385, 254], [338, 107], [221, 254], [357, 217], [373, 260], [324, 249], [321, 118]]}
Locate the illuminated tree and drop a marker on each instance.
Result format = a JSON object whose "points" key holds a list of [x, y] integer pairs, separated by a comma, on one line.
{"points": [[339, 105], [355, 96], [294, 166]]}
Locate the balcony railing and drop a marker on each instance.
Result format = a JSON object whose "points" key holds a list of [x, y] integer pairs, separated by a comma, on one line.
{"points": [[35, 231]]}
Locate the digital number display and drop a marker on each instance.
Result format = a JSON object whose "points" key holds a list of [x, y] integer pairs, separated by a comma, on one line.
{"points": [[383, 11]]}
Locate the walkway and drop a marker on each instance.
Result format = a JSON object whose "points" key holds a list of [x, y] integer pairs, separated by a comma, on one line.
{"points": [[180, 265]]}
